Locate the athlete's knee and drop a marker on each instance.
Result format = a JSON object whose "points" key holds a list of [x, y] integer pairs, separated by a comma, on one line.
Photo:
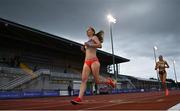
{"points": [[84, 79], [97, 81], [163, 82]]}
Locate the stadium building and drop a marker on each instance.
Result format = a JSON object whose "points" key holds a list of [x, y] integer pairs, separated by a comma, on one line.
{"points": [[34, 60]]}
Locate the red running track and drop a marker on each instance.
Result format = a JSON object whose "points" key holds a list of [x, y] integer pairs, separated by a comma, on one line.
{"points": [[128, 101]]}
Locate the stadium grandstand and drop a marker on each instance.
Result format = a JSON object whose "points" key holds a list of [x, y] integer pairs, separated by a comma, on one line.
{"points": [[147, 84], [34, 60]]}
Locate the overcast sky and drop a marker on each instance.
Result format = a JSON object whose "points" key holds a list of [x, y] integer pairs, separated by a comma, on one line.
{"points": [[141, 24]]}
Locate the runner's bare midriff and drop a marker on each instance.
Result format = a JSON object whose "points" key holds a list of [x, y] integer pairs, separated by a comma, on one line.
{"points": [[90, 53], [161, 65]]}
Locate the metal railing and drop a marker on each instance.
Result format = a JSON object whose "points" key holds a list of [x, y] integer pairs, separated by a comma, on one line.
{"points": [[68, 75], [11, 70], [65, 75], [18, 81]]}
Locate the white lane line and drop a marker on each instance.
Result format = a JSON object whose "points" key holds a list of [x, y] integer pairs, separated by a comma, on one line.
{"points": [[175, 107], [122, 102], [93, 108], [159, 100]]}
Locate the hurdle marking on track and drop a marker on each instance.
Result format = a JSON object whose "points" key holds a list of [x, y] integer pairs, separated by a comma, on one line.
{"points": [[160, 100], [93, 101]]}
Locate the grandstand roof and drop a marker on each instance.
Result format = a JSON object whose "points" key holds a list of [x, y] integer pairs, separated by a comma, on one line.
{"points": [[12, 30], [139, 78], [144, 79]]}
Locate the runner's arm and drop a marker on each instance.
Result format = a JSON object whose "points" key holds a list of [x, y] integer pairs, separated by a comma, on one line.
{"points": [[167, 65], [156, 67], [97, 43]]}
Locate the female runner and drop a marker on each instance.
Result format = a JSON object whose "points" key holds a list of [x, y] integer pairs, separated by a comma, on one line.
{"points": [[161, 66], [91, 63]]}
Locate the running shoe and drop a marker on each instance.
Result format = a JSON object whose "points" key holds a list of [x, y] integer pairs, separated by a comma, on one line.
{"points": [[167, 92], [111, 83], [76, 101]]}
